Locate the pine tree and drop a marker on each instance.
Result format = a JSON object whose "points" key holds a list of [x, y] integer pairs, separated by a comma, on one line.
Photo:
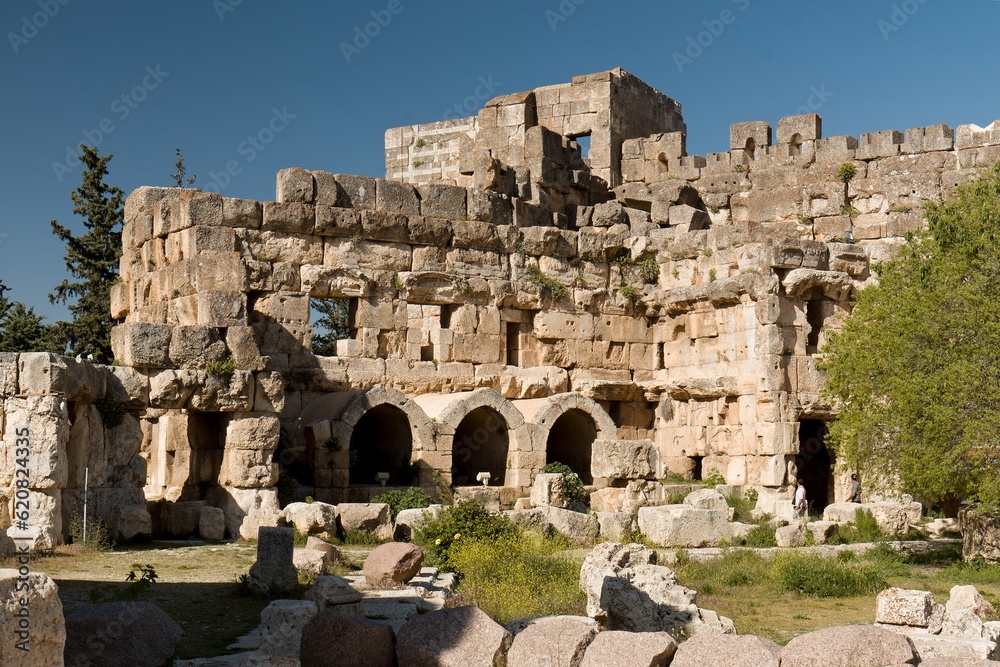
{"points": [[178, 176], [333, 325], [92, 259], [21, 330]]}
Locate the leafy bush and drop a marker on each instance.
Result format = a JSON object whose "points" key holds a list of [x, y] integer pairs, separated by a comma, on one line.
{"points": [[714, 480], [825, 577], [864, 529], [573, 487], [761, 537], [631, 292], [743, 505], [555, 289], [648, 270], [519, 577], [846, 172], [225, 367], [464, 521], [400, 499], [98, 536]]}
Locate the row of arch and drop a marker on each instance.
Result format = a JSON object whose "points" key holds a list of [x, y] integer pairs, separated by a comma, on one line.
{"points": [[457, 437]]}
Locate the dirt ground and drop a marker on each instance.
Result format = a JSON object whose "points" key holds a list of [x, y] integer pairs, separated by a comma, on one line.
{"points": [[196, 586]]}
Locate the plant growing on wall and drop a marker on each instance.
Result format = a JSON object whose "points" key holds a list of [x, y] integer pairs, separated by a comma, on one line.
{"points": [[554, 289]]}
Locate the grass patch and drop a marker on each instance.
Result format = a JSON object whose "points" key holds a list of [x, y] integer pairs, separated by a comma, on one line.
{"points": [[519, 577], [403, 499]]}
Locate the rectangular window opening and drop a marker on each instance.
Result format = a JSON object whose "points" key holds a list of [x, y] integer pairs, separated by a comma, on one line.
{"points": [[332, 320], [513, 344]]}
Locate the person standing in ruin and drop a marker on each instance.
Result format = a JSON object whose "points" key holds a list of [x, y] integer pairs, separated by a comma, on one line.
{"points": [[855, 496], [800, 505]]}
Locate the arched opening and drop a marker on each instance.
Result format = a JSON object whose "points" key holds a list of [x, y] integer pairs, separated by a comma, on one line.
{"points": [[480, 445], [381, 442], [814, 463], [795, 145], [751, 148], [571, 440]]}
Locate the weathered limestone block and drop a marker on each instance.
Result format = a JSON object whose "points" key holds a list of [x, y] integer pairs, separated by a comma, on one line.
{"points": [[625, 459], [443, 201], [609, 560], [822, 531], [281, 625], [897, 606], [393, 564], [274, 573], [547, 490], [355, 191], [248, 468], [707, 499], [193, 347], [396, 197], [333, 638], [295, 185], [790, 536], [121, 633], [645, 649], [142, 345], [684, 526], [849, 645], [222, 393], [411, 520], [33, 615], [127, 523], [241, 213], [980, 535], [127, 385], [368, 517], [211, 524], [171, 389], [40, 425], [794, 130], [616, 525], [43, 373], [459, 637], [44, 530], [892, 518], [313, 518], [8, 374], [552, 641], [580, 528], [749, 135], [237, 504]]}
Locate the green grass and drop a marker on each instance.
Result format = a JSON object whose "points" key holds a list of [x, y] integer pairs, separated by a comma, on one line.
{"points": [[519, 577]]}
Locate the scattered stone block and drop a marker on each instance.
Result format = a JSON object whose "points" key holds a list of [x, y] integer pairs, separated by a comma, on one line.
{"points": [[547, 490], [332, 639], [898, 606], [274, 572], [314, 518], [708, 649], [790, 536], [459, 637], [368, 517], [849, 646], [392, 565], [120, 633], [281, 625], [636, 649], [212, 524], [553, 641], [46, 627]]}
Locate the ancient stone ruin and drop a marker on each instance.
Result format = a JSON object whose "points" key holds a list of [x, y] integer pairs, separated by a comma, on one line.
{"points": [[554, 279]]}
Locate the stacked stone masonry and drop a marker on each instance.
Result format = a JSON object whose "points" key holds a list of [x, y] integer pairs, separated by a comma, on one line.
{"points": [[512, 302]]}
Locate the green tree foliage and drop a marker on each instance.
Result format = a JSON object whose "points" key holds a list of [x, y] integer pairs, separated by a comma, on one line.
{"points": [[92, 259], [916, 368], [332, 325], [21, 330]]}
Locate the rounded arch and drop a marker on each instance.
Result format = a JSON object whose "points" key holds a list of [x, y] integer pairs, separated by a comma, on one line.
{"points": [[381, 443], [450, 410], [568, 424], [481, 444]]}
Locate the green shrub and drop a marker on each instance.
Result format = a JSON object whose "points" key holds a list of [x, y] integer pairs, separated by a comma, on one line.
{"points": [[864, 529], [846, 172], [743, 505], [403, 499], [554, 289], [714, 480], [648, 270], [464, 521], [825, 577], [225, 367], [518, 576], [361, 538], [98, 536], [631, 292], [573, 487], [761, 537]]}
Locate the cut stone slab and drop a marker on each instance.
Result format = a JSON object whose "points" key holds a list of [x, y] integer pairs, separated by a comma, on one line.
{"points": [[459, 637], [708, 649], [47, 631], [281, 624], [849, 646], [554, 641], [331, 639], [392, 565], [635, 649], [898, 606], [274, 571]]}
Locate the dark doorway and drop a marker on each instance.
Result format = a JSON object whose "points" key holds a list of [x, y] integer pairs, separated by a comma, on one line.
{"points": [[480, 445], [571, 441], [381, 442], [815, 464]]}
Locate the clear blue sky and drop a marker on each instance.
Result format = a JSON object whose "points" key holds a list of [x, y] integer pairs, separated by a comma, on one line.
{"points": [[224, 67]]}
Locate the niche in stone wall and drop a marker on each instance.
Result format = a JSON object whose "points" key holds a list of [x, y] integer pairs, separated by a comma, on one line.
{"points": [[571, 441], [480, 444], [381, 442]]}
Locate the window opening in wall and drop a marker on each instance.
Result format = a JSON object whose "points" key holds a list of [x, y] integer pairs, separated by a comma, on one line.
{"points": [[584, 141], [333, 320], [696, 469], [513, 344], [814, 317], [446, 316], [661, 356], [796, 144], [751, 148], [615, 412], [426, 353]]}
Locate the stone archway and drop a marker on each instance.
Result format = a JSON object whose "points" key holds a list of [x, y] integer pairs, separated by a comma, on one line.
{"points": [[381, 442], [481, 444], [571, 440]]}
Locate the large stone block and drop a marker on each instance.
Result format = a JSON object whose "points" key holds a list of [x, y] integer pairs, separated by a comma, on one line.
{"points": [[274, 573], [553, 641], [897, 606], [459, 637], [684, 526], [355, 191], [625, 459], [295, 185], [36, 433], [32, 628], [142, 345]]}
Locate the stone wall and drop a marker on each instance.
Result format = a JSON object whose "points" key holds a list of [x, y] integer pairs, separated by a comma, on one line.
{"points": [[517, 302], [79, 421]]}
